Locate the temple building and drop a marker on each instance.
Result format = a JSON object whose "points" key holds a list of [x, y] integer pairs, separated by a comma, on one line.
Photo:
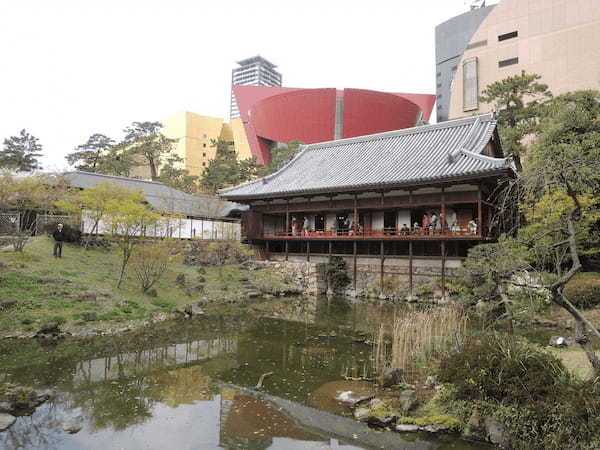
{"points": [[406, 204]]}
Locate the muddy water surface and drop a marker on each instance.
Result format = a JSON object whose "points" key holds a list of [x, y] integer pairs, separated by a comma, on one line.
{"points": [[191, 384]]}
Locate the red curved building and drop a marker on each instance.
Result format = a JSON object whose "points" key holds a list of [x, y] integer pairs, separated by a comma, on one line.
{"points": [[277, 114]]}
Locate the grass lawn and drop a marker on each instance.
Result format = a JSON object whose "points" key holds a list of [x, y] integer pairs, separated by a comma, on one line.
{"points": [[47, 289]]}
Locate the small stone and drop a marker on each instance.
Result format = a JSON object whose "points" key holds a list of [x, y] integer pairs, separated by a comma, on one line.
{"points": [[408, 399], [89, 316], [6, 421], [152, 292], [6, 407], [252, 294], [73, 426], [180, 279], [392, 377], [431, 381], [407, 428], [192, 309], [89, 297], [201, 270], [201, 280], [49, 328], [475, 428], [8, 303]]}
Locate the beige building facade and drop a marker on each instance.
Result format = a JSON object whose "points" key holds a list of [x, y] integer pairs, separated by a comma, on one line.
{"points": [[557, 39], [194, 134]]}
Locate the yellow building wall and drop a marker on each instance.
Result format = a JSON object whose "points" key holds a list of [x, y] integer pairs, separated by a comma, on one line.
{"points": [[194, 134], [242, 148]]}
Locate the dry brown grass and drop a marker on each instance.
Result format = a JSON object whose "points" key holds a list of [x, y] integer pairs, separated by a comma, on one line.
{"points": [[418, 337]]}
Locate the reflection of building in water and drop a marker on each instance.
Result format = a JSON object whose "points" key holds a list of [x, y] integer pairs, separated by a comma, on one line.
{"points": [[128, 364], [247, 422]]}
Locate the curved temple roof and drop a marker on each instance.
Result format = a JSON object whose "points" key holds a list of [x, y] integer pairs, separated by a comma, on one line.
{"points": [[406, 157]]}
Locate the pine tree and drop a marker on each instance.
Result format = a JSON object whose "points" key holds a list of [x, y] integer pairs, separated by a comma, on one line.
{"points": [[21, 153], [87, 156]]}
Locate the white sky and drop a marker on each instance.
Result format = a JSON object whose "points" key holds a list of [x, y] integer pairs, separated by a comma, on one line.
{"points": [[71, 68]]}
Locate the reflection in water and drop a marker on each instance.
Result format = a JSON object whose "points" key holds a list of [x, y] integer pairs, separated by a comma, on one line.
{"points": [[162, 388]]}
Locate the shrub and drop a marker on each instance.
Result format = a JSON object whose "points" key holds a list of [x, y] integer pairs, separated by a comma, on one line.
{"points": [[490, 367], [149, 262], [584, 289], [336, 273]]}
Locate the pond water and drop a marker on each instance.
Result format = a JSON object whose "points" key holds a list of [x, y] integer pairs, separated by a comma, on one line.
{"points": [[191, 384]]}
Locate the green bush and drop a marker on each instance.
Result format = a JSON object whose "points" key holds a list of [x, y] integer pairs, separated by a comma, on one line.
{"points": [[490, 367], [336, 273], [584, 289], [525, 388]]}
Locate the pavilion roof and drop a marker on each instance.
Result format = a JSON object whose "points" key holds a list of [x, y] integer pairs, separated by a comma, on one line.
{"points": [[414, 156]]}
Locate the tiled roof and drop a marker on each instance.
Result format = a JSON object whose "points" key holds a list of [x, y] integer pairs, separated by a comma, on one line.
{"points": [[406, 157], [161, 197]]}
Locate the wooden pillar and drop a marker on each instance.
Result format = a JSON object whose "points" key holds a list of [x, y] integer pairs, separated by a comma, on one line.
{"points": [[307, 250], [443, 248], [382, 256], [287, 249], [330, 249], [354, 267], [355, 214], [382, 198], [267, 251], [410, 267], [443, 212], [479, 212], [287, 217]]}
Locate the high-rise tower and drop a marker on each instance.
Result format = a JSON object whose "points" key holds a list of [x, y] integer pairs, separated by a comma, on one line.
{"points": [[255, 71]]}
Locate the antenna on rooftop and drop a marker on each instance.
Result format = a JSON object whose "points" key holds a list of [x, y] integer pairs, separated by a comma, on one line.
{"points": [[475, 4]]}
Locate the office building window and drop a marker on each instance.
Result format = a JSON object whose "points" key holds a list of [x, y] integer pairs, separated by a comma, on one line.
{"points": [[439, 74], [511, 35], [203, 164], [204, 154], [470, 85], [204, 145], [508, 62], [477, 44]]}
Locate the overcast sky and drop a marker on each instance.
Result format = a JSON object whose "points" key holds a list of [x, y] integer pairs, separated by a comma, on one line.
{"points": [[71, 68]]}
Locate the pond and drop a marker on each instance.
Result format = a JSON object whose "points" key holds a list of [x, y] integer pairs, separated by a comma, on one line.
{"points": [[192, 384]]}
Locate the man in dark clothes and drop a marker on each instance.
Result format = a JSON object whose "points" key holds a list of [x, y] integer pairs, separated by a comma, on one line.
{"points": [[59, 237]]}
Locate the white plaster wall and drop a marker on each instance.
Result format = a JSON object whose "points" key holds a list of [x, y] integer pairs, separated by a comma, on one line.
{"points": [[403, 218], [377, 220]]}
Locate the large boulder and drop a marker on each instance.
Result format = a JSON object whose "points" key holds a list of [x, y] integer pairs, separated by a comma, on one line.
{"points": [[6, 421], [497, 433], [408, 400], [375, 412], [475, 428], [88, 297]]}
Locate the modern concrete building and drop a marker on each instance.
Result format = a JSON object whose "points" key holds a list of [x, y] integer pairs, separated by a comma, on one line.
{"points": [[255, 71], [451, 40], [557, 39]]}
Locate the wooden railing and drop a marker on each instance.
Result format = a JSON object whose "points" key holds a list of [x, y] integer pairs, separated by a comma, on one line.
{"points": [[386, 233]]}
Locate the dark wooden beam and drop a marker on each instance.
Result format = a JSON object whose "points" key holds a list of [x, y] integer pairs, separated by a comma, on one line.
{"points": [[267, 251], [287, 249], [354, 266], [443, 212], [410, 267], [355, 225], [287, 217], [479, 212], [443, 248], [382, 256], [307, 250]]}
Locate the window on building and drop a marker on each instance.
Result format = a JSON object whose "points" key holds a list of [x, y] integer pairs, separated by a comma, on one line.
{"points": [[439, 85], [506, 36], [508, 62], [204, 145], [204, 135], [203, 164], [439, 74], [477, 44], [470, 85], [204, 154]]}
